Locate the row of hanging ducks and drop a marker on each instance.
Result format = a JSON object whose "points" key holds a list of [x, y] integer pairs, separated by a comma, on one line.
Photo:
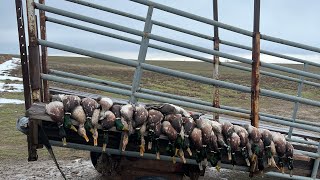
{"points": [[208, 139]]}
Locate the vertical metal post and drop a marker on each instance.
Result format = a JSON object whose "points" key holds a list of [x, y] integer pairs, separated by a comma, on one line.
{"points": [[23, 54], [216, 99], [316, 165], [44, 52], [255, 78], [296, 104], [34, 64], [142, 55]]}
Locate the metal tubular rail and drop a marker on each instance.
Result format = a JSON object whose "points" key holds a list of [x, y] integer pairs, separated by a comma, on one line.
{"points": [[173, 101], [121, 13], [175, 73], [164, 158], [77, 26], [167, 95], [170, 41]]}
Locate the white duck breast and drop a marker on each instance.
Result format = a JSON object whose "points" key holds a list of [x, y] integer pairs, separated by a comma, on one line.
{"points": [[55, 110], [127, 114], [140, 116], [105, 104]]}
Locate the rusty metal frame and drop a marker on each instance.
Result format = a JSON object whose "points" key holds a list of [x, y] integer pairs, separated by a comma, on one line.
{"points": [[23, 54], [216, 62], [255, 78]]}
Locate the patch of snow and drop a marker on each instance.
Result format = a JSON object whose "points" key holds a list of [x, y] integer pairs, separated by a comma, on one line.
{"points": [[5, 69], [11, 87], [10, 101]]}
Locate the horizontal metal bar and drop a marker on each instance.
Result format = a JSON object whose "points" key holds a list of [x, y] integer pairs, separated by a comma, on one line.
{"points": [[194, 17], [292, 139], [290, 43], [136, 154], [170, 41], [287, 176], [269, 53], [173, 101], [110, 10], [176, 73], [141, 95], [167, 95], [309, 154]]}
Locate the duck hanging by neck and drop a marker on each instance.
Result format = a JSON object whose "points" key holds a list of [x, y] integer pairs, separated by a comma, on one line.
{"points": [[280, 144], [69, 102], [105, 104], [107, 123], [254, 139], [176, 122], [89, 105], [79, 115], [269, 147], [232, 138], [154, 130], [188, 126], [244, 142], [94, 121], [119, 122], [196, 138], [55, 110], [172, 135], [127, 112], [139, 123]]}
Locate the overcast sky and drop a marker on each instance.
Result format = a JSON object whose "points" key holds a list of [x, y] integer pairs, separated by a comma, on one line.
{"points": [[296, 20]]}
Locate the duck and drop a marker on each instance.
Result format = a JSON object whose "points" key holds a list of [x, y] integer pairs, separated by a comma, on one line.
{"points": [[244, 141], [89, 105], [217, 129], [254, 139], [257, 165], [56, 97], [188, 126], [196, 139], [232, 139], [105, 104], [269, 147], [95, 122], [127, 112], [167, 109], [154, 130], [107, 123], [176, 122], [140, 124], [69, 103], [79, 115], [172, 135], [280, 144], [289, 156], [55, 110], [119, 122]]}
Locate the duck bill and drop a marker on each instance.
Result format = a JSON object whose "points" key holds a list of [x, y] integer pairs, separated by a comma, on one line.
{"points": [[104, 147], [95, 141], [142, 149], [218, 166], [181, 154], [125, 141], [229, 156], [64, 141], [92, 131], [158, 155], [85, 137], [73, 128], [189, 151], [248, 162]]}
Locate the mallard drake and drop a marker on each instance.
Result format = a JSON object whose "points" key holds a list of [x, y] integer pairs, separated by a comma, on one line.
{"points": [[172, 135], [105, 104], [55, 110], [107, 123], [257, 165], [188, 126], [289, 155], [154, 129], [280, 144], [232, 139], [119, 122], [244, 141], [269, 147], [167, 109], [217, 129], [95, 122], [127, 117], [176, 122], [79, 115], [196, 138], [69, 102], [89, 105], [209, 143], [139, 123]]}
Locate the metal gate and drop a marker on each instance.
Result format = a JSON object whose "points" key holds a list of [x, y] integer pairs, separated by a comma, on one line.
{"points": [[40, 74]]}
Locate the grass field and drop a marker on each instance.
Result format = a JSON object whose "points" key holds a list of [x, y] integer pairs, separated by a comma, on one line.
{"points": [[13, 143]]}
